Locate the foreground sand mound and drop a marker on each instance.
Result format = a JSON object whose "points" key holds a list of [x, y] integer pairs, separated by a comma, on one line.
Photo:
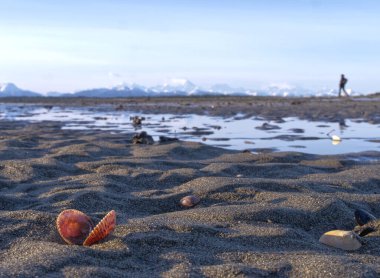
{"points": [[259, 215]]}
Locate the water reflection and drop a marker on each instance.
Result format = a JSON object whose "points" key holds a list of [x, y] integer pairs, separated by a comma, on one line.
{"points": [[255, 134]]}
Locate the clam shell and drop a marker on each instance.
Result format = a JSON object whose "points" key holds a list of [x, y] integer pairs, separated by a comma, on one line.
{"points": [[346, 240], [189, 201], [362, 217], [103, 229], [336, 138], [74, 226]]}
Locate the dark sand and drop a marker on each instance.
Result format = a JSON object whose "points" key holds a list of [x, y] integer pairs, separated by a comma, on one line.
{"points": [[260, 215]]}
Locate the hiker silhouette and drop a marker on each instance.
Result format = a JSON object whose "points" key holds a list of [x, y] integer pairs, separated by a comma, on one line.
{"points": [[342, 84]]}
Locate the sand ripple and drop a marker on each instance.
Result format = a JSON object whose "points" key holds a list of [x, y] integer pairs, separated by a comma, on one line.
{"points": [[259, 215]]}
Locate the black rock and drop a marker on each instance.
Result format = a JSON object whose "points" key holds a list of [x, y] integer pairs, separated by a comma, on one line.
{"points": [[266, 126], [297, 130], [164, 139], [136, 120], [142, 138]]}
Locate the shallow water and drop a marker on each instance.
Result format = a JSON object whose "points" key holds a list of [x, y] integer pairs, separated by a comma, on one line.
{"points": [[239, 133]]}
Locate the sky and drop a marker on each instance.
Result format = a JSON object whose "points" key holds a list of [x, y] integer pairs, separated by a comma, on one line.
{"points": [[71, 45]]}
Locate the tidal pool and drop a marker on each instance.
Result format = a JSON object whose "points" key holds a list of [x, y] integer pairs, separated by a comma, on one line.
{"points": [[240, 133]]}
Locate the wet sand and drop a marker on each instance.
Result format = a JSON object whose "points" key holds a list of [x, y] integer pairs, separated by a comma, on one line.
{"points": [[272, 108], [260, 215]]}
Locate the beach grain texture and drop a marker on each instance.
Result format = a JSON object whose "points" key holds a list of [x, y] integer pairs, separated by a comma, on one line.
{"points": [[260, 215]]}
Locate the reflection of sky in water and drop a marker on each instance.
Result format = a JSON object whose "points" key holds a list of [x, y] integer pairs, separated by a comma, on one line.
{"points": [[231, 133]]}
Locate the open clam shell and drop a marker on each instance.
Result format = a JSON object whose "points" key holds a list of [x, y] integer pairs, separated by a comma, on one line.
{"points": [[74, 226], [104, 228], [346, 240]]}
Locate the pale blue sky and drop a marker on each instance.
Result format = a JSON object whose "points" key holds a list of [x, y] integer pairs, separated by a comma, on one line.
{"points": [[78, 44]]}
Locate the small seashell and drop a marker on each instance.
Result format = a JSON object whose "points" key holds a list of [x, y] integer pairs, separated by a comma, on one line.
{"points": [[336, 138], [189, 201], [346, 240], [103, 229], [74, 226], [362, 217]]}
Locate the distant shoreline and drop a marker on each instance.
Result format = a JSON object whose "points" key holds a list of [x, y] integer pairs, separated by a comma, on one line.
{"points": [[330, 109]]}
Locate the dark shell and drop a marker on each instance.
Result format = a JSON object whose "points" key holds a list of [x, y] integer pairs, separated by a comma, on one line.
{"points": [[364, 230], [189, 201], [371, 226], [362, 217], [103, 229], [74, 226]]}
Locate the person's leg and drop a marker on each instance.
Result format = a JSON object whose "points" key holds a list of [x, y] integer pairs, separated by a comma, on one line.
{"points": [[340, 90], [344, 90]]}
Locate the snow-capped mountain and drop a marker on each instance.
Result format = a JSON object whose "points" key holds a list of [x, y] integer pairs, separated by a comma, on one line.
{"points": [[129, 87], [285, 90], [178, 87], [11, 90]]}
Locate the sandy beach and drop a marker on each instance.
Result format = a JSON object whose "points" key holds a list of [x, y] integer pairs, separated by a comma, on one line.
{"points": [[260, 215], [210, 139]]}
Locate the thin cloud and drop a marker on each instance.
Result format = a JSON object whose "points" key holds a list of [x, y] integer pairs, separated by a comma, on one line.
{"points": [[114, 75]]}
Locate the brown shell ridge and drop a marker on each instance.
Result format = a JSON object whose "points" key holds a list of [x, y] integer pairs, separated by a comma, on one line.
{"points": [[104, 228]]}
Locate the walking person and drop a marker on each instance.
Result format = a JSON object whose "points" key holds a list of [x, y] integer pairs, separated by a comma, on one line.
{"points": [[342, 84]]}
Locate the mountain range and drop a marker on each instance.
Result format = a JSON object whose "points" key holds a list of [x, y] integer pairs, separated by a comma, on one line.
{"points": [[175, 87], [11, 90]]}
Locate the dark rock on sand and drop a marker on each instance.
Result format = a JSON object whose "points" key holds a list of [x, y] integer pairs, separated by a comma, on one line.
{"points": [[297, 146], [374, 140], [297, 130], [142, 138], [263, 150], [217, 127], [165, 139], [136, 120], [278, 120], [291, 137], [267, 126], [198, 131]]}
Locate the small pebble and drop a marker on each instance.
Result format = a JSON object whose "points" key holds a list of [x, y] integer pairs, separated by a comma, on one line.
{"points": [[189, 201]]}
